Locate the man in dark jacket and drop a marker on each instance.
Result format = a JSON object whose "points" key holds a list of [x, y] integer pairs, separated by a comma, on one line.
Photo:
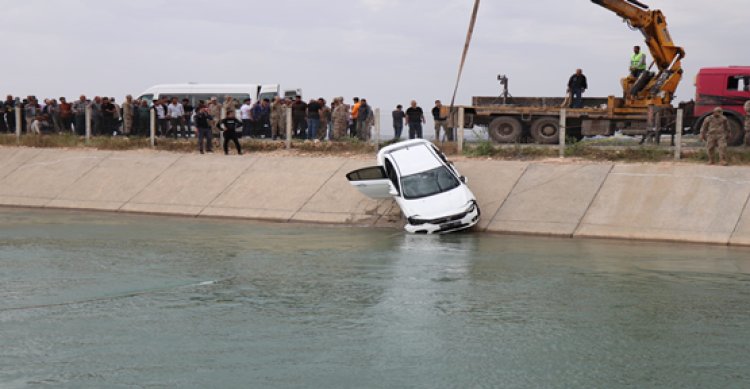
{"points": [[576, 86]]}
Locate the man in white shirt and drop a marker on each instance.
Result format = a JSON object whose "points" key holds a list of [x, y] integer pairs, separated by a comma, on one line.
{"points": [[246, 115], [175, 113]]}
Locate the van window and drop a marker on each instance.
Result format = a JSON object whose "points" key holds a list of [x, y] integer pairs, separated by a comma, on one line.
{"points": [[739, 83], [149, 98], [267, 95]]}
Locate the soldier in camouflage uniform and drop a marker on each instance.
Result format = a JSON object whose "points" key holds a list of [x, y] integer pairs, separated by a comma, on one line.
{"points": [[340, 119], [747, 123], [278, 116], [214, 109], [714, 132]]}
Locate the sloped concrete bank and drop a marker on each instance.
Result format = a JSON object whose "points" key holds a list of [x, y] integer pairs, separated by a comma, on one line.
{"points": [[670, 202]]}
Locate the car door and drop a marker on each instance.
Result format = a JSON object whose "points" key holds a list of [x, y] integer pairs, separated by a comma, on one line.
{"points": [[372, 181]]}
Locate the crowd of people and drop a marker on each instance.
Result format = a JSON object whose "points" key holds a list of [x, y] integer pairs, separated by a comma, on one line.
{"points": [[313, 120]]}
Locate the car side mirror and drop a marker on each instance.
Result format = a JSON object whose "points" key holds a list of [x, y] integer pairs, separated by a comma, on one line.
{"points": [[464, 179]]}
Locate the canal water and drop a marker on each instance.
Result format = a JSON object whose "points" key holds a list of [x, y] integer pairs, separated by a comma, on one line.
{"points": [[115, 301]]}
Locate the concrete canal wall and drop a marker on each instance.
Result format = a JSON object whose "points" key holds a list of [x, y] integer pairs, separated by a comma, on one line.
{"points": [[672, 202]]}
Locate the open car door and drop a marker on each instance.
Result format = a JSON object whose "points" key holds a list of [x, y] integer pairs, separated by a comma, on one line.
{"points": [[372, 182]]}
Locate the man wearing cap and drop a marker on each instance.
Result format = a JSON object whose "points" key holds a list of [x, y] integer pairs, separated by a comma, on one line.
{"points": [[747, 123], [714, 132]]}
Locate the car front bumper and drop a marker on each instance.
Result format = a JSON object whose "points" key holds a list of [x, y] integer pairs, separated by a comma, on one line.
{"points": [[446, 224]]}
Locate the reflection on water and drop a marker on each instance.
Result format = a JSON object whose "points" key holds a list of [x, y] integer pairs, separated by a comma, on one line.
{"points": [[97, 300]]}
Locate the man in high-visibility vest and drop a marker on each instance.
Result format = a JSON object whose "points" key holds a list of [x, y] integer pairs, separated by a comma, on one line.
{"points": [[637, 62]]}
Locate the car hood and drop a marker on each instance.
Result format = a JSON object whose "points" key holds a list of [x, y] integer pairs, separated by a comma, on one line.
{"points": [[444, 204]]}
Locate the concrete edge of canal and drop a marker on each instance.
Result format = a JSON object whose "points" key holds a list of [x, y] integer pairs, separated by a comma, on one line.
{"points": [[665, 202]]}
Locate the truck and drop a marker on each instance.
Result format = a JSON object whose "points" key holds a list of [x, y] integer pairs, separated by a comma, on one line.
{"points": [[644, 107]]}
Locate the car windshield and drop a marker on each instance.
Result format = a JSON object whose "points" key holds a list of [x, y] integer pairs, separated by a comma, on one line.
{"points": [[428, 183]]}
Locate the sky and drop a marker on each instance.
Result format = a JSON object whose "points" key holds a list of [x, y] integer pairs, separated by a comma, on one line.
{"points": [[389, 51]]}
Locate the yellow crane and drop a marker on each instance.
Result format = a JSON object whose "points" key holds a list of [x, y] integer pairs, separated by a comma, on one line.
{"points": [[650, 88]]}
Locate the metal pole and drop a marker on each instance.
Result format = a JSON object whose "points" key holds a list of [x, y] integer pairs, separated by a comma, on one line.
{"points": [[288, 114], [678, 136], [377, 128], [18, 124], [88, 124], [152, 130], [460, 135], [563, 130]]}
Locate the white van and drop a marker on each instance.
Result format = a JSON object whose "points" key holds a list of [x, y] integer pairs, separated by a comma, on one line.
{"points": [[204, 92]]}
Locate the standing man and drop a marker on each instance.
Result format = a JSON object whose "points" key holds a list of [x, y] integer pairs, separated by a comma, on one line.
{"points": [[576, 86], [127, 115], [161, 116], [637, 62], [79, 111], [231, 128], [714, 132], [398, 122], [441, 121], [175, 113], [214, 110], [187, 118], [204, 128], [313, 119], [340, 119], [66, 114], [246, 116], [747, 123], [364, 117], [325, 120], [354, 116], [108, 109], [415, 118], [299, 111], [277, 118]]}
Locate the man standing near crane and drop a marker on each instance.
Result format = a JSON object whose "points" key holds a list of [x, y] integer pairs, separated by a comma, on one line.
{"points": [[637, 62], [576, 86]]}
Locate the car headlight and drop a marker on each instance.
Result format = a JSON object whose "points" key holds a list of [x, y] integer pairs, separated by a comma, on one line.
{"points": [[472, 207]]}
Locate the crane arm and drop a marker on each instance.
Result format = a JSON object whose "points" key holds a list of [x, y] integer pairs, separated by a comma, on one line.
{"points": [[653, 25]]}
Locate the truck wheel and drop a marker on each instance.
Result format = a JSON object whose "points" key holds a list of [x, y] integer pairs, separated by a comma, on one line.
{"points": [[505, 129], [546, 131], [736, 133]]}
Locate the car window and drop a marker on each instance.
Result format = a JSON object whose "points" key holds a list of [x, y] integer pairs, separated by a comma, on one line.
{"points": [[391, 173], [428, 183]]}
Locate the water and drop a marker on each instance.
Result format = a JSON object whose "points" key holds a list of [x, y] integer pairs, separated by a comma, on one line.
{"points": [[115, 301]]}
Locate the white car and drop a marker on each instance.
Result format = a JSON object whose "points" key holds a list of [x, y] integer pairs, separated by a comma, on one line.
{"points": [[431, 193]]}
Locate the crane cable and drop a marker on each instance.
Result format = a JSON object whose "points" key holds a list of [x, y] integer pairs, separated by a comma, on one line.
{"points": [[463, 57]]}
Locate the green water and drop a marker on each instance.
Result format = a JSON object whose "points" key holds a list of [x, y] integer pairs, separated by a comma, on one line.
{"points": [[115, 301]]}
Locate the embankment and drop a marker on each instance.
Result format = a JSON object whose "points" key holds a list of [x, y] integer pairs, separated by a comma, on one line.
{"points": [[671, 202]]}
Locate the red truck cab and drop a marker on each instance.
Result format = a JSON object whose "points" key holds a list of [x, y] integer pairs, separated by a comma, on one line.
{"points": [[726, 87]]}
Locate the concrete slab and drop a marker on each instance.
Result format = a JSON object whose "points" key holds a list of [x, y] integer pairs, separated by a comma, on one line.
{"points": [[49, 173], [275, 186], [339, 202], [669, 202], [741, 235], [190, 184], [550, 199], [491, 182], [12, 158], [114, 181]]}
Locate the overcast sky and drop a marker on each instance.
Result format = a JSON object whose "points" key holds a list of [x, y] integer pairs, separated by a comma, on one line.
{"points": [[389, 51]]}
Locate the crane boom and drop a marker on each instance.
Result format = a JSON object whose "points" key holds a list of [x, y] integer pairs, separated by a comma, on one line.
{"points": [[660, 88]]}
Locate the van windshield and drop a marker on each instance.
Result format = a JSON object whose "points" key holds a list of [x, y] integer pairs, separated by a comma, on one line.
{"points": [[428, 183]]}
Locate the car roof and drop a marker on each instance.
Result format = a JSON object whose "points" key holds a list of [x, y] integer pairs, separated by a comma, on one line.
{"points": [[411, 157]]}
